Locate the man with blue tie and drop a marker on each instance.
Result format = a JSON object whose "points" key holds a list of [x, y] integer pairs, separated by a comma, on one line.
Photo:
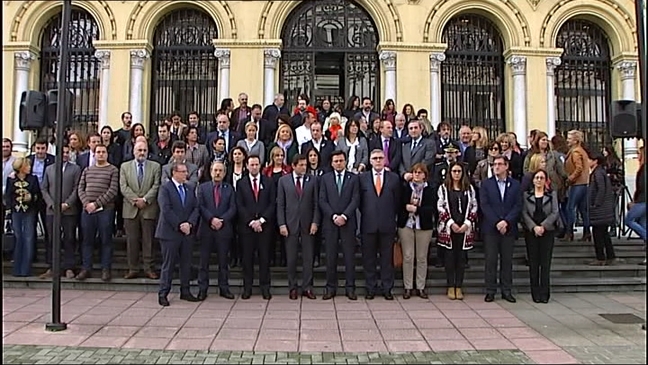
{"points": [[217, 205], [501, 204], [176, 226]]}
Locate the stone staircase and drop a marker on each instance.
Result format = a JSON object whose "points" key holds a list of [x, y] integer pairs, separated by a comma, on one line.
{"points": [[570, 271]]}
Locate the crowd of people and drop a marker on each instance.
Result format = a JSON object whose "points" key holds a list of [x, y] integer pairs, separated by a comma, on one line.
{"points": [[270, 182]]}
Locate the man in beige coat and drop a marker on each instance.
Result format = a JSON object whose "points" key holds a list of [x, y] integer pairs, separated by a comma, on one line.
{"points": [[139, 181]]}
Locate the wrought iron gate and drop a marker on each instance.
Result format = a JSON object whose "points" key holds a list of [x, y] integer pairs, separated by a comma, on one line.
{"points": [[583, 82], [329, 52], [83, 68], [185, 69], [472, 75]]}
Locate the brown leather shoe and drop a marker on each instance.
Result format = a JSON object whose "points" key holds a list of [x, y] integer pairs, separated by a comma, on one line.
{"points": [[309, 294], [84, 274], [152, 275], [131, 275], [293, 294], [105, 275], [46, 275]]}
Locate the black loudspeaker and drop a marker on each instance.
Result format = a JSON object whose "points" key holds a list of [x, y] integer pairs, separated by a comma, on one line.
{"points": [[52, 107], [623, 119], [33, 106], [641, 129]]}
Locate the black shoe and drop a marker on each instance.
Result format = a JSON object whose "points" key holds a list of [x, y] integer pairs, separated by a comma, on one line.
{"points": [[328, 296], [188, 297], [246, 295], [227, 295], [202, 295], [389, 296], [266, 294], [536, 300], [352, 295], [489, 298], [544, 300], [316, 262], [163, 301], [369, 296], [407, 294], [509, 298]]}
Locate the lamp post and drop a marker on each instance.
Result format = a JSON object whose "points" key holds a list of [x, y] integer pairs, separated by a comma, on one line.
{"points": [[56, 324], [640, 7]]}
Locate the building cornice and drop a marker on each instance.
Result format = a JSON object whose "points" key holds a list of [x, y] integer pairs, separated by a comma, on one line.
{"points": [[412, 47], [123, 45], [625, 56], [20, 46], [252, 43], [533, 52]]}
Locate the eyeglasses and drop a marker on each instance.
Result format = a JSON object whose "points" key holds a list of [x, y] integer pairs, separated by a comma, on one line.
{"points": [[377, 158], [539, 177], [495, 149]]}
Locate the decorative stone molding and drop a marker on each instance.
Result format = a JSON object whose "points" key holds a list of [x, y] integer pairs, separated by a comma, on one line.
{"points": [[518, 64], [271, 57], [534, 3], [628, 69], [223, 56], [24, 60], [388, 59], [435, 61], [552, 63], [104, 57], [138, 58]]}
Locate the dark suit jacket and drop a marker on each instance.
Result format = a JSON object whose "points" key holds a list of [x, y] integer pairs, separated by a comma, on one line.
{"points": [[83, 160], [235, 121], [49, 160], [271, 113], [395, 151], [379, 212], [326, 148], [173, 213], [211, 137], [250, 209], [70, 183], [297, 212], [495, 209], [331, 202], [226, 209], [267, 130], [372, 116], [426, 210], [404, 137]]}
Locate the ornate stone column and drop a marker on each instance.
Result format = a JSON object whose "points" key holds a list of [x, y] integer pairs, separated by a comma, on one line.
{"points": [[223, 56], [23, 65], [104, 57], [138, 60], [628, 72], [552, 63], [435, 87], [270, 58], [518, 66], [388, 60]]}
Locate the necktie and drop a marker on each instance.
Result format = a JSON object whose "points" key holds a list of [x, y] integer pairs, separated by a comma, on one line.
{"points": [[140, 173], [298, 185], [413, 145], [378, 184], [255, 189], [64, 164], [386, 150], [217, 195], [183, 196], [339, 183]]}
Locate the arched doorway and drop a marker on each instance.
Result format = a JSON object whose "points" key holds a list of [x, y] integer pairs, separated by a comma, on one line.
{"points": [[472, 75], [185, 69], [83, 68], [583, 82], [329, 52]]}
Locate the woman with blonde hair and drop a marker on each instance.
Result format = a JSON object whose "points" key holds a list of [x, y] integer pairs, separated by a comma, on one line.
{"points": [[334, 126], [76, 142], [507, 143], [285, 140], [578, 176], [251, 144], [477, 150]]}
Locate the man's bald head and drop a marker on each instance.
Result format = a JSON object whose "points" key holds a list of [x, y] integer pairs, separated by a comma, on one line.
{"points": [[140, 151]]}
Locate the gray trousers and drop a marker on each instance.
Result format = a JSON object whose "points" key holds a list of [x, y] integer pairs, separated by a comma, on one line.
{"points": [[292, 249], [139, 234]]}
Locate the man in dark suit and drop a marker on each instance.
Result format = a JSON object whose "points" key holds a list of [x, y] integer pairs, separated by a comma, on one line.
{"points": [[217, 204], [222, 130], [40, 160], [379, 205], [271, 112], [390, 146], [176, 226], [400, 128], [338, 199], [416, 150], [87, 158], [298, 216], [265, 129], [255, 201], [501, 204], [69, 212], [321, 144], [367, 111]]}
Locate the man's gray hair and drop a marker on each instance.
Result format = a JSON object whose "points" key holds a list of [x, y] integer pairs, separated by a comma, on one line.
{"points": [[176, 165], [218, 163]]}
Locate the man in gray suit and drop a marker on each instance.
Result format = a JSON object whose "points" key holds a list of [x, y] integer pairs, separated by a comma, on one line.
{"points": [[298, 217], [139, 182], [179, 150], [69, 211], [417, 149]]}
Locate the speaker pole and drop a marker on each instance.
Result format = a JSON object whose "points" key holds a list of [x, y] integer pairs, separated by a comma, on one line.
{"points": [[640, 7], [61, 120]]}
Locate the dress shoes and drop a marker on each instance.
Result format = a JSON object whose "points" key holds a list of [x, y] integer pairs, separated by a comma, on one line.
{"points": [[328, 296], [227, 295], [246, 295], [389, 296], [163, 301], [105, 275], [489, 298], [509, 298], [309, 294], [352, 295], [407, 294], [188, 297], [202, 295], [266, 294], [130, 275], [422, 294], [369, 296], [293, 294], [83, 274], [152, 275]]}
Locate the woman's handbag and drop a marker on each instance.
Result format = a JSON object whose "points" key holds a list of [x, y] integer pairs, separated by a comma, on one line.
{"points": [[398, 255]]}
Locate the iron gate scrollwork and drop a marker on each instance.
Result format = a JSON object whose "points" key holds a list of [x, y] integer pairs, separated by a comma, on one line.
{"points": [[472, 75], [83, 76], [329, 52], [583, 82], [185, 69]]}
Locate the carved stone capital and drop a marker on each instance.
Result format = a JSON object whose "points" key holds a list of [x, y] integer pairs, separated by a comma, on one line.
{"points": [[223, 55], [518, 64], [24, 60], [435, 61], [552, 63], [138, 58], [270, 57], [388, 59], [628, 69], [104, 57]]}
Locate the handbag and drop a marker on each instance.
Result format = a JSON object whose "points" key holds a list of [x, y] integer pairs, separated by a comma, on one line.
{"points": [[398, 255]]}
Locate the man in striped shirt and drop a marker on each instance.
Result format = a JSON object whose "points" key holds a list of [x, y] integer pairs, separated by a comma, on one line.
{"points": [[98, 189]]}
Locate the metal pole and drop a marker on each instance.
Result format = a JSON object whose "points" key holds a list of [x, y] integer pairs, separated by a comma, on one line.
{"points": [[640, 6], [61, 121]]}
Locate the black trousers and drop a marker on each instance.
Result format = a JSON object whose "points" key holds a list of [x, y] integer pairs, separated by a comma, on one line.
{"points": [[603, 243], [220, 242], [336, 237], [540, 252], [251, 243], [175, 252], [455, 261], [68, 240], [499, 248], [372, 244]]}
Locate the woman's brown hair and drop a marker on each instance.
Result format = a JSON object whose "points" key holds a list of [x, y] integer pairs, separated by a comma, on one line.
{"points": [[420, 166], [464, 183], [535, 145]]}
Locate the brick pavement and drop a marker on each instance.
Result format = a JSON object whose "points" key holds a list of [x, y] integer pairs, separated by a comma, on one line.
{"points": [[567, 330]]}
